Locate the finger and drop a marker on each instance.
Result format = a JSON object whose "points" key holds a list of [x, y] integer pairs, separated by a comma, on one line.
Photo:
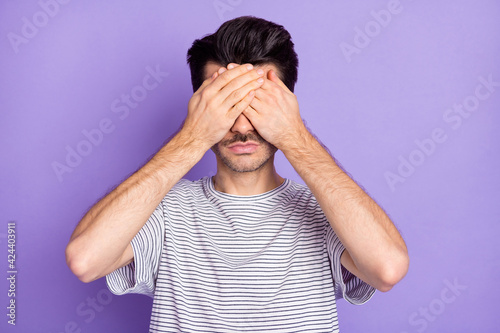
{"points": [[268, 84], [226, 76], [251, 114], [264, 94], [274, 78], [239, 107], [207, 82], [234, 96], [232, 65], [257, 105], [240, 81], [270, 91]]}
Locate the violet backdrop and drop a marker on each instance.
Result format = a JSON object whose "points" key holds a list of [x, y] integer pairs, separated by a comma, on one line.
{"points": [[404, 93]]}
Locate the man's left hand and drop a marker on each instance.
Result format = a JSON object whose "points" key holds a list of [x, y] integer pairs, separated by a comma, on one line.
{"points": [[274, 113]]}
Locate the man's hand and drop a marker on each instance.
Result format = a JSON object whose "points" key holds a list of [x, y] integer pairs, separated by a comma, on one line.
{"points": [[375, 251], [274, 113], [215, 106]]}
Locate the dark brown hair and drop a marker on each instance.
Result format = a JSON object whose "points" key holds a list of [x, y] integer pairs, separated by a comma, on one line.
{"points": [[245, 39]]}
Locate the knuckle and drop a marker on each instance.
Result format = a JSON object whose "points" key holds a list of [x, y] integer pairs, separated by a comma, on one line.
{"points": [[243, 71], [201, 87], [237, 109], [194, 101], [225, 77], [257, 84], [205, 94], [243, 68], [240, 107], [254, 76], [237, 95], [206, 82], [211, 105]]}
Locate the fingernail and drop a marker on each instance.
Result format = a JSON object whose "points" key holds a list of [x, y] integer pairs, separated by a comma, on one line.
{"points": [[214, 75], [221, 70], [260, 71], [230, 66], [249, 67], [260, 80]]}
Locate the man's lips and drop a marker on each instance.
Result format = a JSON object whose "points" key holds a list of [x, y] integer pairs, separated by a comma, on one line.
{"points": [[243, 147]]}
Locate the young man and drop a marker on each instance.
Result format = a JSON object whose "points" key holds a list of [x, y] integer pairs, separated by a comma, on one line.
{"points": [[244, 250]]}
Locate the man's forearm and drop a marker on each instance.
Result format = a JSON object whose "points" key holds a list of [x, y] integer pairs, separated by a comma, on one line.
{"points": [[369, 236], [103, 234]]}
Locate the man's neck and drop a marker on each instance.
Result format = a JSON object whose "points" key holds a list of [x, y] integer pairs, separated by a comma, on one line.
{"points": [[247, 183]]}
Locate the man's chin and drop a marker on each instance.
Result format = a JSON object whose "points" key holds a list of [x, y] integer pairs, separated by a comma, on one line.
{"points": [[243, 163], [243, 167]]}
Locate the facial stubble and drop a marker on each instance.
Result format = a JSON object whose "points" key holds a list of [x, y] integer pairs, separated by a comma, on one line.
{"points": [[232, 162]]}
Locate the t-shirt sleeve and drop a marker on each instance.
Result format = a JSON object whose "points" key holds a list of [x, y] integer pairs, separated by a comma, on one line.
{"points": [[139, 277], [347, 285]]}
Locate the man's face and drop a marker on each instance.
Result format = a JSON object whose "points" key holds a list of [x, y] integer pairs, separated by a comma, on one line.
{"points": [[242, 149]]}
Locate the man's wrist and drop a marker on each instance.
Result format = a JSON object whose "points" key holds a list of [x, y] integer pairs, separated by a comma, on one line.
{"points": [[302, 141], [306, 153], [185, 138], [176, 158]]}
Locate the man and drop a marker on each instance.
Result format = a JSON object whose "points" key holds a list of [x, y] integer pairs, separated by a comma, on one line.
{"points": [[244, 250]]}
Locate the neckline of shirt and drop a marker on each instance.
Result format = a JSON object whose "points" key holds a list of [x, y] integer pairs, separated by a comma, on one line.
{"points": [[210, 190]]}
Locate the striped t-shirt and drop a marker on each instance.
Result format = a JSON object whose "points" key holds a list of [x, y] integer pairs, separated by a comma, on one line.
{"points": [[216, 262]]}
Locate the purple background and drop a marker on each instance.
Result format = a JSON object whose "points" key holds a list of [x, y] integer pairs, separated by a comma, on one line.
{"points": [[369, 108]]}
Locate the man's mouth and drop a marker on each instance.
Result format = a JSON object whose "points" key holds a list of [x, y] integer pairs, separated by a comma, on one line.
{"points": [[243, 147]]}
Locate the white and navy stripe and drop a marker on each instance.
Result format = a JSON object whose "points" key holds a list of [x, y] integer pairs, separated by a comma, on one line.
{"points": [[215, 262]]}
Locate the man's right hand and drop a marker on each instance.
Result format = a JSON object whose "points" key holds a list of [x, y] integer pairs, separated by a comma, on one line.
{"points": [[215, 106]]}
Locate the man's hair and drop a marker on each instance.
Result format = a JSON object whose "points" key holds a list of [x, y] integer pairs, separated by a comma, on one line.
{"points": [[245, 39]]}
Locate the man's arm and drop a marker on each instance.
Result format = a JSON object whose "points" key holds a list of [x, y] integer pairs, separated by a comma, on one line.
{"points": [[375, 251], [101, 242]]}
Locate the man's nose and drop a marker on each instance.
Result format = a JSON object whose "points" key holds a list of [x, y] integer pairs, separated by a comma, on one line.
{"points": [[242, 125]]}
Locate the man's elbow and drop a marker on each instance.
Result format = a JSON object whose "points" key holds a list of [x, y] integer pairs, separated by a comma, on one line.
{"points": [[79, 265], [393, 273]]}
